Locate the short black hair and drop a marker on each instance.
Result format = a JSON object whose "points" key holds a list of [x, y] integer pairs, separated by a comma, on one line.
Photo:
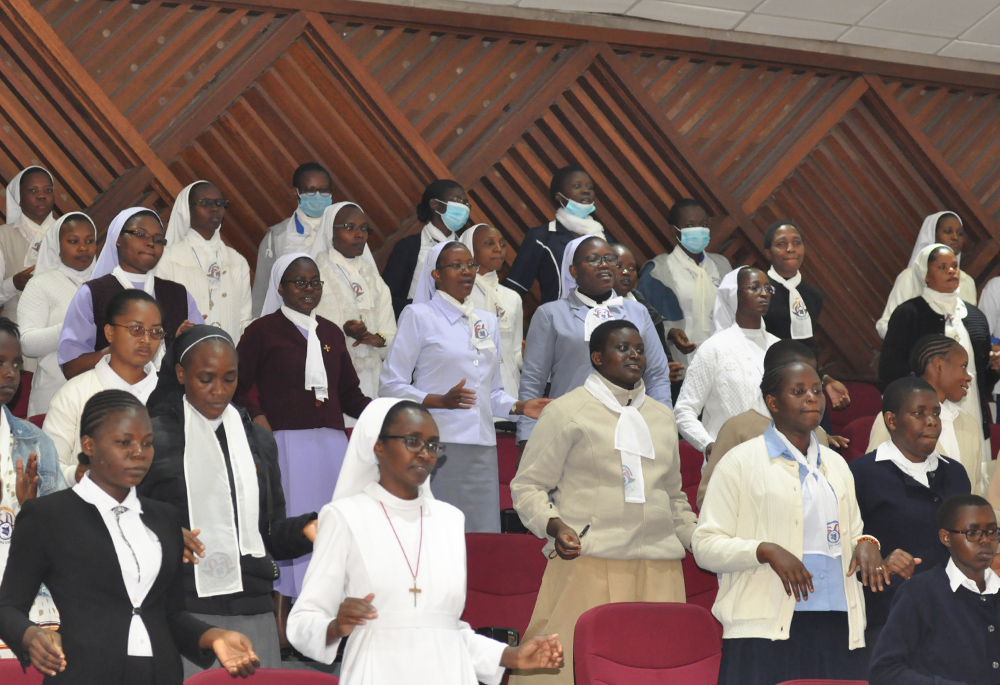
{"points": [[120, 301], [897, 392], [746, 270], [773, 378], [306, 168], [101, 406], [8, 326], [773, 228], [675, 212], [583, 243], [948, 513], [450, 245], [929, 348], [134, 219], [934, 254], [394, 412], [599, 336], [787, 352], [433, 192], [559, 178]]}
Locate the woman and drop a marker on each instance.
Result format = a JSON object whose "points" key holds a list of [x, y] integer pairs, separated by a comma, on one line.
{"points": [[609, 538], [65, 262], [573, 196], [30, 201], [900, 486], [134, 331], [557, 353], [305, 381], [402, 613], [489, 250], [132, 249], [942, 227], [940, 309], [688, 277], [355, 296], [29, 467], [205, 468], [943, 362], [445, 357], [722, 380], [444, 211], [115, 575], [216, 275], [783, 501]]}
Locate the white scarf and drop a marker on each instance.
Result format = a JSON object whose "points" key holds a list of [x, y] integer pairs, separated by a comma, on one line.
{"points": [[632, 436], [490, 285], [125, 278], [953, 309], [582, 227], [821, 512], [430, 237], [352, 271], [948, 438], [699, 328], [597, 313], [112, 381], [208, 254], [918, 471], [210, 500], [798, 314], [34, 233], [315, 368], [477, 327]]}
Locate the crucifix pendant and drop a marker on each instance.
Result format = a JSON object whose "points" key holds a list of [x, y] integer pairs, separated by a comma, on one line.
{"points": [[415, 590]]}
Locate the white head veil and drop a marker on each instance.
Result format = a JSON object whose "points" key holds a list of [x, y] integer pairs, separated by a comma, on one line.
{"points": [[108, 259], [466, 237], [179, 223], [568, 281], [920, 263], [360, 465], [724, 312], [323, 242], [48, 250], [14, 193], [928, 235], [272, 301], [425, 285]]}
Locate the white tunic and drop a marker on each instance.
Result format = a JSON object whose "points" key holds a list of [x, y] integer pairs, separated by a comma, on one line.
{"points": [[41, 310], [355, 554]]}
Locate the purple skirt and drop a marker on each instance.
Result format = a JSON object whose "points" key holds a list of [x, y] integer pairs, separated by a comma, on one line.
{"points": [[310, 462]]}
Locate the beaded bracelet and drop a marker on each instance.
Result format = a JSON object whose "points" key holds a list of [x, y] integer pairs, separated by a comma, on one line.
{"points": [[870, 538]]}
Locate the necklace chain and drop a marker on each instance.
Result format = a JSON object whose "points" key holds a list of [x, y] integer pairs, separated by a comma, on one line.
{"points": [[420, 545]]}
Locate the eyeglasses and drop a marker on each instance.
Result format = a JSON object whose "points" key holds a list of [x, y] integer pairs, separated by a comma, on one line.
{"points": [[140, 234], [597, 260], [354, 228], [416, 445], [627, 270], [755, 288], [208, 202], [462, 266], [977, 534], [302, 284], [138, 331]]}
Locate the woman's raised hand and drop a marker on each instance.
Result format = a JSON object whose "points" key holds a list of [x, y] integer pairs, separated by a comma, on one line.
{"points": [[26, 479]]}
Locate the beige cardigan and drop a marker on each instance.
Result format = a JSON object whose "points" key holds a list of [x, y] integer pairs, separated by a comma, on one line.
{"points": [[572, 452], [753, 499]]}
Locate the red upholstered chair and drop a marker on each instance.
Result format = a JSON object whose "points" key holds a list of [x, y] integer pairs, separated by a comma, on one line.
{"points": [[700, 586], [994, 438], [263, 676], [11, 674], [18, 404], [505, 572], [691, 463], [644, 643], [859, 432], [866, 400], [37, 419], [506, 466], [824, 682]]}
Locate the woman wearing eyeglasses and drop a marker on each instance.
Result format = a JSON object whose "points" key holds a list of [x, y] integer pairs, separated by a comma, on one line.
{"points": [[722, 380], [355, 296], [132, 249], [135, 333], [216, 275], [446, 356]]}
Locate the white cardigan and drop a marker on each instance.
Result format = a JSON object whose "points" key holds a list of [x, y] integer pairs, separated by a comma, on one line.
{"points": [[752, 499], [40, 314], [722, 381], [62, 422]]}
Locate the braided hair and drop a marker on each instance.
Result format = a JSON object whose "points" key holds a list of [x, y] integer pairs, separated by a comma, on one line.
{"points": [[101, 406], [929, 348]]}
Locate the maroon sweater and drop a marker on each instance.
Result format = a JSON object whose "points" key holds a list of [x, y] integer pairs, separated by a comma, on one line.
{"points": [[273, 359]]}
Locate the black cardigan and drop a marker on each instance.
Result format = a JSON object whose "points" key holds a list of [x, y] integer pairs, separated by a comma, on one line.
{"points": [[914, 319], [282, 536], [399, 268], [779, 320], [62, 541]]}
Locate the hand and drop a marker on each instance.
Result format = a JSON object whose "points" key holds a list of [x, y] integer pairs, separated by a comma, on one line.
{"points": [[80, 470], [995, 358], [790, 569], [26, 480], [261, 421], [355, 329], [680, 340], [837, 392], [873, 572], [354, 612], [183, 327], [542, 651], [193, 547], [839, 441], [21, 278], [310, 530], [568, 545], [708, 450], [676, 371], [235, 653], [532, 408], [456, 398], [45, 649], [370, 339], [900, 563]]}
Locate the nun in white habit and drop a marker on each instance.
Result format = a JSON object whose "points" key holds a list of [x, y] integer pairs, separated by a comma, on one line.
{"points": [[389, 569], [65, 262], [941, 227]]}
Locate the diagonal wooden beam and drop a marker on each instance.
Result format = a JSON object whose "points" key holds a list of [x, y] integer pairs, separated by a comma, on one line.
{"points": [[809, 140]]}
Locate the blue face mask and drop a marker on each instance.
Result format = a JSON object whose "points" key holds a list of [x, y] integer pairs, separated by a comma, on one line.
{"points": [[456, 216], [696, 239], [313, 204], [578, 209]]}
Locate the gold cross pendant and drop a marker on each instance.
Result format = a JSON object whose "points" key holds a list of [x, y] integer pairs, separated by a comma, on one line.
{"points": [[326, 348], [415, 590]]}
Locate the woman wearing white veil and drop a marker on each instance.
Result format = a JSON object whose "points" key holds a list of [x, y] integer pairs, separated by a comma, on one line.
{"points": [[388, 568]]}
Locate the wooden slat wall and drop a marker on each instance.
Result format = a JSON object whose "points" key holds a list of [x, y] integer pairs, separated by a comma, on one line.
{"points": [[127, 102]]}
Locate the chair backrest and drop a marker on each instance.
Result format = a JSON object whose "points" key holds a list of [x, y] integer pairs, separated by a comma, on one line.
{"points": [[263, 676], [691, 462], [859, 432], [18, 404], [11, 674], [644, 643], [824, 682], [506, 466], [37, 419], [994, 439], [866, 400], [505, 572], [701, 586]]}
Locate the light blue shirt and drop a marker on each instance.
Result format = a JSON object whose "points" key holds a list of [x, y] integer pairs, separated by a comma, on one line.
{"points": [[556, 351], [431, 353], [828, 572]]}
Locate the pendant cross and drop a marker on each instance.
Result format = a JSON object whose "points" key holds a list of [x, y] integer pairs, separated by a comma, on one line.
{"points": [[326, 348], [415, 590]]}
